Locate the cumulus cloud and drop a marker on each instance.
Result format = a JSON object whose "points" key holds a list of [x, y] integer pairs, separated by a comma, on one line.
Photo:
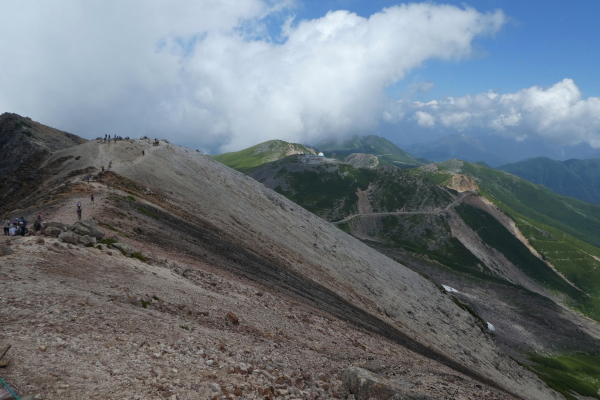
{"points": [[207, 74], [558, 113]]}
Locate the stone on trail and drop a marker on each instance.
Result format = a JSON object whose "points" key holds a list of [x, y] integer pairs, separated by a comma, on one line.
{"points": [[233, 318], [58, 225], [364, 385], [81, 230], [53, 231], [87, 239], [5, 250], [92, 227], [69, 237], [125, 248]]}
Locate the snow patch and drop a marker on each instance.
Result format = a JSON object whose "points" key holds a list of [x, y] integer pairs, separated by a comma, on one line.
{"points": [[491, 327], [450, 289]]}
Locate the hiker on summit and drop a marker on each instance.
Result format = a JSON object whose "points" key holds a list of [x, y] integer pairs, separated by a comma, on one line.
{"points": [[79, 213], [79, 205], [6, 227], [92, 198]]}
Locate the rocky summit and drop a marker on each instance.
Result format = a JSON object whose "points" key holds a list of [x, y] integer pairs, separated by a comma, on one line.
{"points": [[185, 279]]}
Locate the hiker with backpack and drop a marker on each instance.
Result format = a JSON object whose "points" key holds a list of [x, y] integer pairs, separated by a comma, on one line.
{"points": [[23, 226], [37, 226]]}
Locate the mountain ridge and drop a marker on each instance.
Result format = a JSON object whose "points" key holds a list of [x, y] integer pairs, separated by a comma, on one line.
{"points": [[575, 178], [183, 202], [371, 144], [251, 158]]}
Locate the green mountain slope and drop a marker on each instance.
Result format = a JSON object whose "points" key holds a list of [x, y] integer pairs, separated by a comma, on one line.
{"points": [[330, 190], [405, 209], [249, 159], [574, 178], [372, 144], [520, 283], [574, 217], [564, 231]]}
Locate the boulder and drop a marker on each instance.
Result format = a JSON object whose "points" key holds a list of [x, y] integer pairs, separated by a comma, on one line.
{"points": [[69, 227], [81, 230], [59, 225], [93, 228], [5, 250], [87, 239], [53, 231], [125, 248], [364, 385], [69, 237]]}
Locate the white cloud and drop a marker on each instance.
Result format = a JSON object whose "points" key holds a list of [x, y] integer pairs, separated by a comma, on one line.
{"points": [[205, 73], [558, 113], [424, 119]]}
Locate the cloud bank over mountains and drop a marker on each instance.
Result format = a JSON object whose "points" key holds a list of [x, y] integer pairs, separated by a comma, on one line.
{"points": [[215, 75], [207, 74], [558, 113]]}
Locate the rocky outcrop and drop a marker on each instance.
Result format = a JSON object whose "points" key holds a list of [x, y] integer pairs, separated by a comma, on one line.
{"points": [[365, 385], [82, 232], [360, 160], [24, 145], [68, 237], [124, 248], [463, 183]]}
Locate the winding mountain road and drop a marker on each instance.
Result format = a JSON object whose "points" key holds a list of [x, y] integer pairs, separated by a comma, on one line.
{"points": [[461, 196]]}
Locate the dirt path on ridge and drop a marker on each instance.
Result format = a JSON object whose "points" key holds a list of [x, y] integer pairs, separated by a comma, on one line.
{"points": [[459, 199]]}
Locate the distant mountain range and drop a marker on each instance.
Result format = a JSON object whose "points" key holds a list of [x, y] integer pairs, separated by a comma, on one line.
{"points": [[463, 147], [496, 150], [574, 178]]}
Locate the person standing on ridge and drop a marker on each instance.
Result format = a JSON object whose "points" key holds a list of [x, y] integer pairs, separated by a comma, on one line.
{"points": [[79, 213], [6, 227], [92, 198], [79, 205]]}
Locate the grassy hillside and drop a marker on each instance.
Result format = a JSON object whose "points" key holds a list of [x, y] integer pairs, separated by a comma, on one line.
{"points": [[574, 217], [387, 151], [251, 158], [330, 190], [579, 179]]}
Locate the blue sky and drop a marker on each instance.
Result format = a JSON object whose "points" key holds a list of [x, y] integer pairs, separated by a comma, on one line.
{"points": [[541, 44], [222, 76]]}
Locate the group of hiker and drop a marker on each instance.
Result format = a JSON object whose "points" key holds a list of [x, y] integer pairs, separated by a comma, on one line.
{"points": [[114, 138], [18, 226]]}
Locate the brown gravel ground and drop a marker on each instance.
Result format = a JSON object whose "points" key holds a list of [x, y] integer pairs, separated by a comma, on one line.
{"points": [[93, 324]]}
